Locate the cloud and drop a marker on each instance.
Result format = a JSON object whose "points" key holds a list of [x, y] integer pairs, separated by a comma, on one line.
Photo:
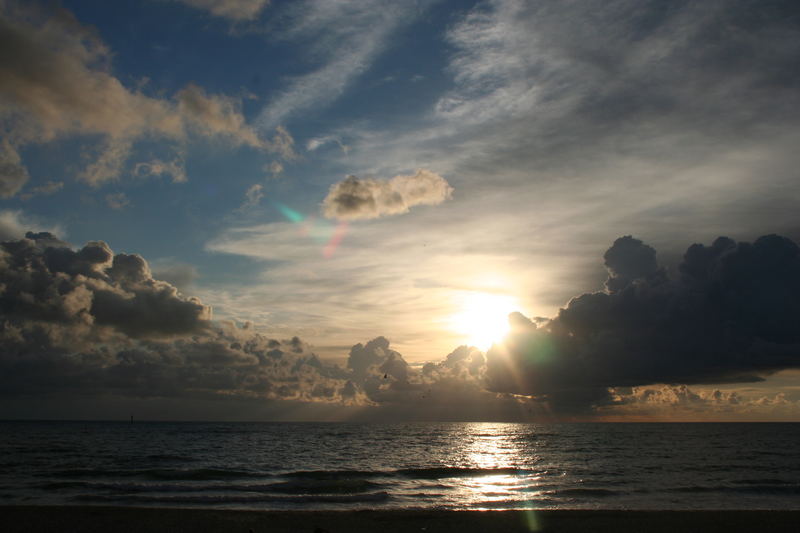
{"points": [[215, 115], [316, 142], [730, 316], [237, 10], [354, 198], [156, 167], [347, 36], [117, 201], [12, 174], [14, 224], [275, 169], [252, 197], [93, 322], [51, 187], [181, 275], [680, 402], [59, 83], [52, 289]]}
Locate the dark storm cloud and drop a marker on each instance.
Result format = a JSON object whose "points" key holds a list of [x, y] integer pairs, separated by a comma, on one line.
{"points": [[93, 322], [88, 321], [44, 280], [731, 315]]}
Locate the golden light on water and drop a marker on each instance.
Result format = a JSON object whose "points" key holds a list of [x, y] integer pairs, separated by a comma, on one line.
{"points": [[482, 318], [494, 448]]}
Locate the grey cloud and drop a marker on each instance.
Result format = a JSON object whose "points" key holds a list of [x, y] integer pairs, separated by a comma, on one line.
{"points": [[730, 316], [237, 10], [12, 174], [355, 198], [181, 275], [48, 286], [96, 322]]}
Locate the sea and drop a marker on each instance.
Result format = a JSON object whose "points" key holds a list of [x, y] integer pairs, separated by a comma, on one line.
{"points": [[441, 466]]}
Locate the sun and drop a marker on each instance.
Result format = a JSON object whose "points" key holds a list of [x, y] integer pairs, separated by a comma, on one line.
{"points": [[483, 318]]}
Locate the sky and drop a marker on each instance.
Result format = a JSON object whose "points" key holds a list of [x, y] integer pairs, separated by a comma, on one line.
{"points": [[335, 210]]}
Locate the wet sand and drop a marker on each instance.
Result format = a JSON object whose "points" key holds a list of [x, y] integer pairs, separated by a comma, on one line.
{"points": [[43, 519]]}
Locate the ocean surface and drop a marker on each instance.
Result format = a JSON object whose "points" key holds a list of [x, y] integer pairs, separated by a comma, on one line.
{"points": [[307, 466]]}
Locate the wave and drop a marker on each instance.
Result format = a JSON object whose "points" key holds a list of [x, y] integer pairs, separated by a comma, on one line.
{"points": [[198, 474], [224, 499], [751, 489]]}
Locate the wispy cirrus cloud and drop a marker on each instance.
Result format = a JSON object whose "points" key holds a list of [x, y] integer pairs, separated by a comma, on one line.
{"points": [[236, 10], [347, 35]]}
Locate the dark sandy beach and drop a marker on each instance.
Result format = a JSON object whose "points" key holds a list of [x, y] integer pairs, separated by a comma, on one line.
{"points": [[39, 519]]}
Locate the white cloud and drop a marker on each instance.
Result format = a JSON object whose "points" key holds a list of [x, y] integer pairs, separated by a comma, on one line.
{"points": [[317, 142], [14, 223], [252, 197], [348, 35]]}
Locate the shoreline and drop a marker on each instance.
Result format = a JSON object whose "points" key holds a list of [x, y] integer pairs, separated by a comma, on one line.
{"points": [[88, 519]]}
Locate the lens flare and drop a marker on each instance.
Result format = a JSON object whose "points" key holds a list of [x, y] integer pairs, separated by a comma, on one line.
{"points": [[336, 239], [319, 230]]}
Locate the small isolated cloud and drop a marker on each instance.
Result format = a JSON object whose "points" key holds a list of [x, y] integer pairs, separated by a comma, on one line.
{"points": [[237, 10], [317, 142], [275, 169], [157, 168], [252, 197], [355, 198], [117, 201]]}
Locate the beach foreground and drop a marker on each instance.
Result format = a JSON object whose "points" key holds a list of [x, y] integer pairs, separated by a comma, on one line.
{"points": [[16, 519]]}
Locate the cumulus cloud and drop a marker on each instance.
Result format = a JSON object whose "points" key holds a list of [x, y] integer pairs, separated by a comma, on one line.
{"points": [[181, 275], [50, 289], [93, 321], [58, 82], [14, 224], [356, 198], [237, 10], [730, 316]]}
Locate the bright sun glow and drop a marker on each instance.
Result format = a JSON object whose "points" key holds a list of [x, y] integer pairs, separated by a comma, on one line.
{"points": [[483, 318]]}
